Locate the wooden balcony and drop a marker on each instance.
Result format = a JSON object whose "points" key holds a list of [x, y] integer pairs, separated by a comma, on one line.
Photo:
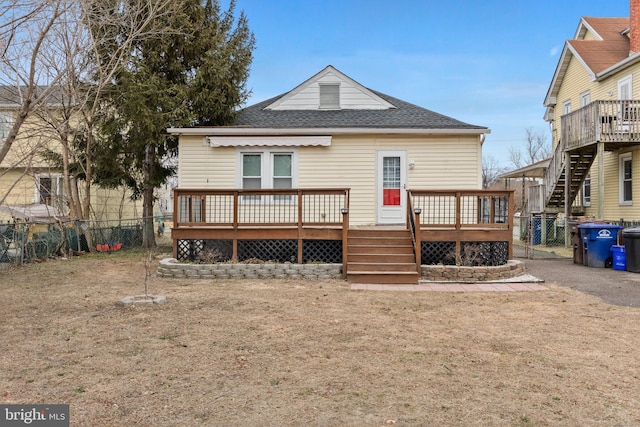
{"points": [[616, 123], [598, 126]]}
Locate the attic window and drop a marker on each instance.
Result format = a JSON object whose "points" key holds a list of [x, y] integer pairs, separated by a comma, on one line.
{"points": [[329, 96]]}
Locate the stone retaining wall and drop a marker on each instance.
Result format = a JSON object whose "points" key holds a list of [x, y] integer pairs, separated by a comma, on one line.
{"points": [[170, 267], [453, 273]]}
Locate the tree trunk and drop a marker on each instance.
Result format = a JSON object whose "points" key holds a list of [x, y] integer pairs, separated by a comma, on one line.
{"points": [[148, 232]]}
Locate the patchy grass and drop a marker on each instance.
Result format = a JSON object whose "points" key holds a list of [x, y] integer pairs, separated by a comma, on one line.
{"points": [[269, 352]]}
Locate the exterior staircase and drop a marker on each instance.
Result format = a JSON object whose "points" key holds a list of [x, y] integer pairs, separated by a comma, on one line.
{"points": [[381, 256], [555, 177]]}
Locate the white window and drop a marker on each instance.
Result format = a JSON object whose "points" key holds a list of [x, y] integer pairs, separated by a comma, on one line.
{"points": [[625, 88], [6, 122], [274, 169], [566, 107], [626, 187], [586, 191], [585, 98], [50, 190], [329, 96]]}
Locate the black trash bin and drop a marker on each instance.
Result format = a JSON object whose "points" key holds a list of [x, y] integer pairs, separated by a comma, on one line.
{"points": [[632, 248], [576, 242]]}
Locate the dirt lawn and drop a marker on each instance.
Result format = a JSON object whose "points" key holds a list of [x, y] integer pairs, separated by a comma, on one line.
{"points": [[274, 353]]}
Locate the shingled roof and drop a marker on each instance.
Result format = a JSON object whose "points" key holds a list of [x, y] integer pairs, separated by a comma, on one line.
{"points": [[404, 116], [611, 48], [607, 49]]}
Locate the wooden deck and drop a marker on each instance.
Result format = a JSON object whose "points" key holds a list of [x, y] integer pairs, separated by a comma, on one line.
{"points": [[316, 221]]}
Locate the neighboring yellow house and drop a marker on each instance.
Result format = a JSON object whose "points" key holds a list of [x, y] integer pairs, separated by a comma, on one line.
{"points": [[332, 132], [26, 178], [593, 107]]}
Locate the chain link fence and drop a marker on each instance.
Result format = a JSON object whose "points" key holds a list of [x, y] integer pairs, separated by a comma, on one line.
{"points": [[22, 242]]}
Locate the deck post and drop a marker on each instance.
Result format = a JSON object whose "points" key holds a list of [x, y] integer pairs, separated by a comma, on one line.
{"points": [[345, 239], [600, 180], [234, 242], [510, 219], [458, 226], [300, 210], [418, 247], [175, 224], [567, 190]]}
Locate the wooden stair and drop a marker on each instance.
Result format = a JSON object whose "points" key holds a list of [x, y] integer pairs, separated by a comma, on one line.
{"points": [[581, 161], [381, 256]]}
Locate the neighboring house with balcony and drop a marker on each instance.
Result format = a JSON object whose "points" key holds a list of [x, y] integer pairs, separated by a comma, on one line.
{"points": [[593, 107], [298, 175]]}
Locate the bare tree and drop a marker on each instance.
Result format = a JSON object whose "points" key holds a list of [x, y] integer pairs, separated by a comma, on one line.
{"points": [[25, 33], [50, 69], [535, 148], [88, 76], [490, 170]]}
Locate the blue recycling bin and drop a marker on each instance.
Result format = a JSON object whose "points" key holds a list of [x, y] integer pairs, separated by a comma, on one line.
{"points": [[619, 257], [597, 241], [537, 229]]}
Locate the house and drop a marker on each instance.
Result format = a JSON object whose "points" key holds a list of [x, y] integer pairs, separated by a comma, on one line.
{"points": [[592, 106], [328, 146], [27, 178]]}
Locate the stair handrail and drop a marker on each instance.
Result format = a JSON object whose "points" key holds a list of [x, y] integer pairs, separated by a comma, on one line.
{"points": [[554, 171], [413, 217]]}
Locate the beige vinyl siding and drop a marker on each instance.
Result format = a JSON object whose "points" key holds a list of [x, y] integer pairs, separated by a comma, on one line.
{"points": [[34, 135], [613, 211], [588, 35], [23, 191], [351, 162], [351, 96], [576, 81], [204, 167], [441, 162], [114, 204]]}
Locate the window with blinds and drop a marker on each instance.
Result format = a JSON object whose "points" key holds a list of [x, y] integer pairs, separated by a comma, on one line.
{"points": [[329, 96]]}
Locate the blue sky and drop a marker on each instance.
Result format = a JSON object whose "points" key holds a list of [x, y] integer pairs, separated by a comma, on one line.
{"points": [[486, 63]]}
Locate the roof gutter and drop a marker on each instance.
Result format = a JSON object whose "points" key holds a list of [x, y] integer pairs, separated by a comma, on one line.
{"points": [[240, 131], [617, 67]]}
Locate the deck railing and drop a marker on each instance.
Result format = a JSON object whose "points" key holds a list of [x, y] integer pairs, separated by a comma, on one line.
{"points": [[601, 121], [241, 208], [261, 223], [463, 209], [461, 217]]}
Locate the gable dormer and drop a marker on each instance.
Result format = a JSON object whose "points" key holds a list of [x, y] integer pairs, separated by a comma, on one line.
{"points": [[330, 90]]}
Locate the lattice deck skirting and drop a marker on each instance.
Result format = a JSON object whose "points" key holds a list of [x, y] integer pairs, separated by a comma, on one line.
{"points": [[471, 253], [324, 251]]}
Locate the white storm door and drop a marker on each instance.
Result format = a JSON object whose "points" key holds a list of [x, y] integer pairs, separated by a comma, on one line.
{"points": [[391, 195]]}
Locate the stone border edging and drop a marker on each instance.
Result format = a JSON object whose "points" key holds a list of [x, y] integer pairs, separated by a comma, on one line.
{"points": [[171, 268], [453, 273]]}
